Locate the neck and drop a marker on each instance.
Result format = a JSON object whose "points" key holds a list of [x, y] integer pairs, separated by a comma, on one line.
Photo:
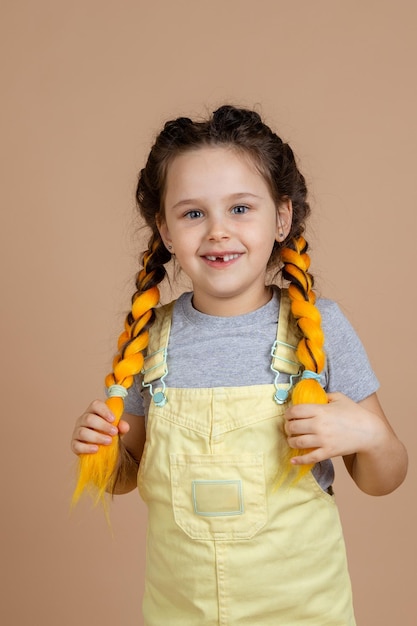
{"points": [[233, 305]]}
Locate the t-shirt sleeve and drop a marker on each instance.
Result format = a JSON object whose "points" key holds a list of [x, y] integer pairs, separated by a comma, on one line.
{"points": [[134, 401], [348, 369]]}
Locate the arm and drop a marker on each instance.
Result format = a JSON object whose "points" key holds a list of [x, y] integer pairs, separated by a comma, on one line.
{"points": [[95, 428], [360, 432], [381, 465]]}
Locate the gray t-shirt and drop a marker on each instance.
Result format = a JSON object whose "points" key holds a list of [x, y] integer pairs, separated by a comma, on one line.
{"points": [[208, 351]]}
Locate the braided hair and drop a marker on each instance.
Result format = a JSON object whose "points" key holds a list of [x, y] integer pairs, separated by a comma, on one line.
{"points": [[245, 132]]}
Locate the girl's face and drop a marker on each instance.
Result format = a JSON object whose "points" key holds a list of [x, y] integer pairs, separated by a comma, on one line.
{"points": [[222, 222]]}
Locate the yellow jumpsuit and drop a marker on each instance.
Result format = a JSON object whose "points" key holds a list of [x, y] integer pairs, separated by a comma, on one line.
{"points": [[223, 547]]}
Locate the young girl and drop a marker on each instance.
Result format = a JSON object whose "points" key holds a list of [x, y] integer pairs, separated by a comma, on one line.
{"points": [[227, 428]]}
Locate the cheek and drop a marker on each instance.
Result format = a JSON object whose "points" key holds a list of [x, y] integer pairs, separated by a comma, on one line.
{"points": [[267, 235]]}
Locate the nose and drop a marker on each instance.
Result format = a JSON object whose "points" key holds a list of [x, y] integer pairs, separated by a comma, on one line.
{"points": [[217, 228]]}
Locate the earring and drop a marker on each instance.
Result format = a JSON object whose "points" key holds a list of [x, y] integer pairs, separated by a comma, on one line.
{"points": [[281, 234], [169, 248]]}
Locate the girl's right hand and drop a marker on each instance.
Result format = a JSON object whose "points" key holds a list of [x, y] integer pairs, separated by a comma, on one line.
{"points": [[95, 428]]}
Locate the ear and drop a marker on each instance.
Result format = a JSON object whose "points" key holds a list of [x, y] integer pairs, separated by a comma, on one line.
{"points": [[164, 232], [284, 219]]}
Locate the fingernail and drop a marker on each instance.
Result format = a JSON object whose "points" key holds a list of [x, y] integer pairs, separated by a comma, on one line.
{"points": [[113, 430]]}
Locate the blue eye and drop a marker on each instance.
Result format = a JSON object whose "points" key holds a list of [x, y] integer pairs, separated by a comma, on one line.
{"points": [[240, 209], [192, 215]]}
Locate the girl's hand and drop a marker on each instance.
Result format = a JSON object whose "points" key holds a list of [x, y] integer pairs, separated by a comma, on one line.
{"points": [[339, 428], [374, 456], [95, 428]]}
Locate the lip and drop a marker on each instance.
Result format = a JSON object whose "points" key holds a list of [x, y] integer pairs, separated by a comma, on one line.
{"points": [[221, 259]]}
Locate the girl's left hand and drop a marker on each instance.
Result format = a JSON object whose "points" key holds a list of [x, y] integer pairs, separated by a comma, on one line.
{"points": [[340, 428], [374, 456]]}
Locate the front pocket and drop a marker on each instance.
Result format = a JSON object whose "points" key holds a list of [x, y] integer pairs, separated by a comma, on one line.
{"points": [[217, 496]]}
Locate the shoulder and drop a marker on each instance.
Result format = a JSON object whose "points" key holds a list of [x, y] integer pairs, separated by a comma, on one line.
{"points": [[333, 319], [338, 331], [328, 307], [177, 307], [348, 368]]}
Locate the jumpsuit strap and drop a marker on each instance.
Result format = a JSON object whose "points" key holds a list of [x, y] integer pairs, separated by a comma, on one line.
{"points": [[284, 357], [155, 365]]}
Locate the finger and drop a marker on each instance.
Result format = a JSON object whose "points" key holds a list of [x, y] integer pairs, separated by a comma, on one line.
{"points": [[302, 411], [78, 447], [299, 427], [87, 440], [100, 408], [124, 427], [93, 428], [303, 442], [88, 435], [309, 458], [97, 423]]}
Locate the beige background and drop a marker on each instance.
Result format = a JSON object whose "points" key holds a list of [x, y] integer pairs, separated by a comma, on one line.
{"points": [[85, 86]]}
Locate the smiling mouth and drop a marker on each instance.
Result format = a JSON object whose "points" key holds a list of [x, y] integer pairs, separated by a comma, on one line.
{"points": [[225, 258]]}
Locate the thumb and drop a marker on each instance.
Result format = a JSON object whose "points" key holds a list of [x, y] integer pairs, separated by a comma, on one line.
{"points": [[123, 427]]}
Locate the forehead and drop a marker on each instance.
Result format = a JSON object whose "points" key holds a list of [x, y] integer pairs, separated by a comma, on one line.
{"points": [[212, 168]]}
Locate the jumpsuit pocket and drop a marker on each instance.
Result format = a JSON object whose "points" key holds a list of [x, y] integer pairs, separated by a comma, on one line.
{"points": [[220, 497]]}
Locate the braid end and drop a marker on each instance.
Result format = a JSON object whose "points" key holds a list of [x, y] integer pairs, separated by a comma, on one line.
{"points": [[97, 472]]}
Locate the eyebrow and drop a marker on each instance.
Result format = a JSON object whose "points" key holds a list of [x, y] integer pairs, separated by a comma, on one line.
{"points": [[231, 198]]}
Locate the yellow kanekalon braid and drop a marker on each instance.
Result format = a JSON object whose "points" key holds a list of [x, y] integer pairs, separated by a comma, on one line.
{"points": [[310, 350], [97, 470]]}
